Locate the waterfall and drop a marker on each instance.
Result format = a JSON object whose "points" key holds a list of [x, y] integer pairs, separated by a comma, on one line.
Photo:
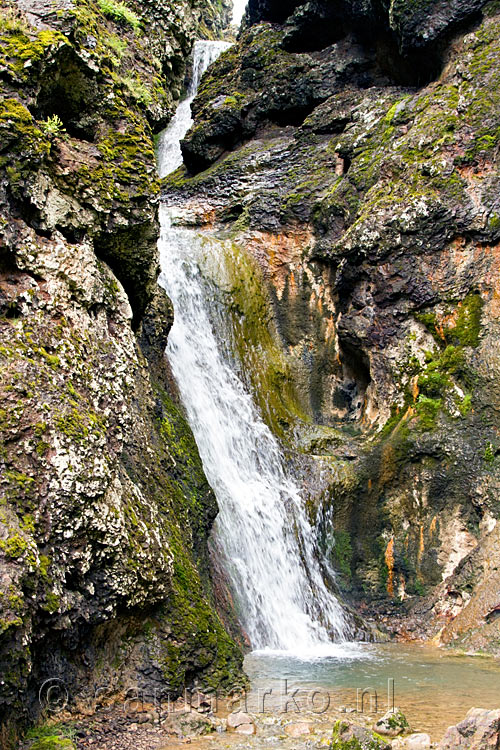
{"points": [[267, 541], [169, 149]]}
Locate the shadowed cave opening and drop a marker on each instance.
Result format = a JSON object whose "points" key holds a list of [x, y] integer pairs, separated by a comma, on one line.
{"points": [[349, 396]]}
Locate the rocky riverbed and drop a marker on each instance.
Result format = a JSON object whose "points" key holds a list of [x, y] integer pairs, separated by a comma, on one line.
{"points": [[146, 728]]}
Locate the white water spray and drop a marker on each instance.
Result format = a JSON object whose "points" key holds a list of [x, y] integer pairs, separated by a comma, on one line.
{"points": [[262, 527]]}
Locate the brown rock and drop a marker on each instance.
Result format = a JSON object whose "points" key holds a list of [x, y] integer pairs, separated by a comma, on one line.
{"points": [[237, 718], [480, 730]]}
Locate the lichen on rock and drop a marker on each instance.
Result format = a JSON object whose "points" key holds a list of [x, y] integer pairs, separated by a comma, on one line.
{"points": [[105, 509]]}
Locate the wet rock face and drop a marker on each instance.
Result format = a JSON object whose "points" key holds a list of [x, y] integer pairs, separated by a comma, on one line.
{"points": [[105, 509], [371, 217], [410, 25], [368, 43]]}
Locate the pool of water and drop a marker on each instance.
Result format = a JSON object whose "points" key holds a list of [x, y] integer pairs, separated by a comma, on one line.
{"points": [[433, 687]]}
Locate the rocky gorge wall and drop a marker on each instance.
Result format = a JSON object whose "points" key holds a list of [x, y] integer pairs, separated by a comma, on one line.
{"points": [[105, 510], [350, 151]]}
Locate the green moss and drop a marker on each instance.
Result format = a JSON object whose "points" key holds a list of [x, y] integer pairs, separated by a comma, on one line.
{"points": [[52, 602], [125, 173], [120, 12], [465, 405], [9, 622], [51, 359], [189, 612], [20, 479], [21, 45], [375, 742], [494, 221], [342, 553], [427, 410], [489, 453], [78, 424], [25, 136], [398, 720], [467, 328], [455, 328], [14, 546], [433, 383], [51, 736], [417, 588], [257, 343], [43, 565], [139, 90]]}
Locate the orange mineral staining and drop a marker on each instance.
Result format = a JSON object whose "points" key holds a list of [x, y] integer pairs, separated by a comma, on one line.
{"points": [[389, 561]]}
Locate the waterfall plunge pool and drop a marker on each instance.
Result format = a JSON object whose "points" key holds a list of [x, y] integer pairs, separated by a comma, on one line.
{"points": [[434, 688]]}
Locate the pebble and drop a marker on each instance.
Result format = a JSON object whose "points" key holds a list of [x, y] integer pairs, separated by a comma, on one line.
{"points": [[297, 730], [245, 729]]}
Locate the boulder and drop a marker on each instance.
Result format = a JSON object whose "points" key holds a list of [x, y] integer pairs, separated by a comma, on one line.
{"points": [[416, 741], [480, 730], [392, 723], [188, 724], [359, 738], [237, 719]]}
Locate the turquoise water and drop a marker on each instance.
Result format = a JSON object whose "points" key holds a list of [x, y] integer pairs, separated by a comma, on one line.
{"points": [[433, 687]]}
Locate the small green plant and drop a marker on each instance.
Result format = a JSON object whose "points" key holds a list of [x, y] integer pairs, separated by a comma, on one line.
{"points": [[53, 126], [121, 13], [117, 48], [465, 405], [117, 44], [14, 546], [11, 21], [418, 588], [489, 453]]}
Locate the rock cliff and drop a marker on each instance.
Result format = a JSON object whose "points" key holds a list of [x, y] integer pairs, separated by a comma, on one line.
{"points": [[350, 150], [105, 509]]}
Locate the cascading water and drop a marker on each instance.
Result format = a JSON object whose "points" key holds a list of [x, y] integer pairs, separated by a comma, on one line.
{"points": [[262, 527], [169, 148]]}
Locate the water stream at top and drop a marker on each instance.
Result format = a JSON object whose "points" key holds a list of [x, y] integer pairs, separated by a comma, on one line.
{"points": [[169, 149], [267, 541]]}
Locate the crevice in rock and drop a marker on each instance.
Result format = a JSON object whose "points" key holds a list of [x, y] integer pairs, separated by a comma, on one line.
{"points": [[292, 115], [70, 93], [71, 234], [23, 208], [131, 254]]}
